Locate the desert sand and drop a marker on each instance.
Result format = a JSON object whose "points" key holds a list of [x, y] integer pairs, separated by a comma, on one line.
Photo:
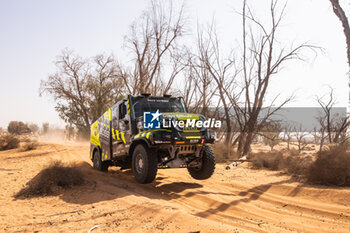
{"points": [[237, 200]]}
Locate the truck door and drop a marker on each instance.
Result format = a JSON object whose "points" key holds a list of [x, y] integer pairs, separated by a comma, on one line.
{"points": [[104, 134], [120, 129]]}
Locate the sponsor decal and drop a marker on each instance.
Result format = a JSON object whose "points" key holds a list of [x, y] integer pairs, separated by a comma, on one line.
{"points": [[192, 123], [151, 120]]}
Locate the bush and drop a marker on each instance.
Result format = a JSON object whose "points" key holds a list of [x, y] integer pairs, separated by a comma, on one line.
{"points": [[45, 128], [332, 167], [294, 165], [31, 145], [8, 141], [293, 151], [270, 160], [271, 139], [54, 176], [221, 153], [18, 127], [34, 128]]}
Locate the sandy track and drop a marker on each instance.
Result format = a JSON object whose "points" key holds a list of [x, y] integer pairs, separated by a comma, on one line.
{"points": [[239, 200]]}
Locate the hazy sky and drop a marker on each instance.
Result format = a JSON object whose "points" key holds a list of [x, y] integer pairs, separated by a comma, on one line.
{"points": [[33, 33]]}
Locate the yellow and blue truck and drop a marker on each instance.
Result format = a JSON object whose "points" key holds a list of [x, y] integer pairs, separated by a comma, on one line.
{"points": [[147, 132]]}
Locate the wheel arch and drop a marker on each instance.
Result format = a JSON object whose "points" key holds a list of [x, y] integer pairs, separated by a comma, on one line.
{"points": [[139, 141], [94, 149]]}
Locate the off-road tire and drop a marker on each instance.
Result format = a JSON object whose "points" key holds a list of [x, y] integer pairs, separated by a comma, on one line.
{"points": [[145, 170], [207, 167], [98, 164]]}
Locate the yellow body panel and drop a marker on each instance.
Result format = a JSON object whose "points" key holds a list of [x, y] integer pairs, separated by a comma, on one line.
{"points": [[94, 138]]}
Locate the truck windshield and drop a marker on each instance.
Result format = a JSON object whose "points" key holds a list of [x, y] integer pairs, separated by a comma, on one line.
{"points": [[152, 105]]}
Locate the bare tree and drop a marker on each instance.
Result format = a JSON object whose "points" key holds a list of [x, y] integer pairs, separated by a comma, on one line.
{"points": [[319, 134], [333, 125], [70, 132], [199, 88], [153, 43], [83, 88], [242, 85], [191, 90], [34, 128], [340, 13], [45, 128], [288, 134], [271, 133], [300, 135], [325, 118], [262, 59], [214, 67], [341, 125]]}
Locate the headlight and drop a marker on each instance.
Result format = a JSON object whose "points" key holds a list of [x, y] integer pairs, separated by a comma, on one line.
{"points": [[212, 134]]}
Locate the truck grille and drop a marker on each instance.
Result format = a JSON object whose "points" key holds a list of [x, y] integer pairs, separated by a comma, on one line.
{"points": [[190, 134], [190, 128], [187, 149]]}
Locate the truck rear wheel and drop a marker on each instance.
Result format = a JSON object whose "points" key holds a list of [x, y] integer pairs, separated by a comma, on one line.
{"points": [[97, 162], [144, 164], [206, 167]]}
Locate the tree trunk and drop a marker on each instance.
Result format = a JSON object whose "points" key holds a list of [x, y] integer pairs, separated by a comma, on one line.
{"points": [[241, 142], [339, 12], [247, 143], [321, 144]]}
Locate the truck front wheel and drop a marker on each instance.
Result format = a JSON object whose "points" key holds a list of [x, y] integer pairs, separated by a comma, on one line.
{"points": [[144, 164], [206, 166], [97, 162]]}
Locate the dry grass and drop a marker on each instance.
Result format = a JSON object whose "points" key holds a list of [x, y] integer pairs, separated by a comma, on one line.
{"points": [[297, 165], [8, 141], [51, 178], [223, 153], [276, 160], [270, 160], [332, 167], [31, 145], [293, 151]]}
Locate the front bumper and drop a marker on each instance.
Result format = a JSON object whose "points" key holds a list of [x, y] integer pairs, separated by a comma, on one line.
{"points": [[183, 137]]}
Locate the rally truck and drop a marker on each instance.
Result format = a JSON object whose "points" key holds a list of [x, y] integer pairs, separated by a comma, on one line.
{"points": [[147, 132]]}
